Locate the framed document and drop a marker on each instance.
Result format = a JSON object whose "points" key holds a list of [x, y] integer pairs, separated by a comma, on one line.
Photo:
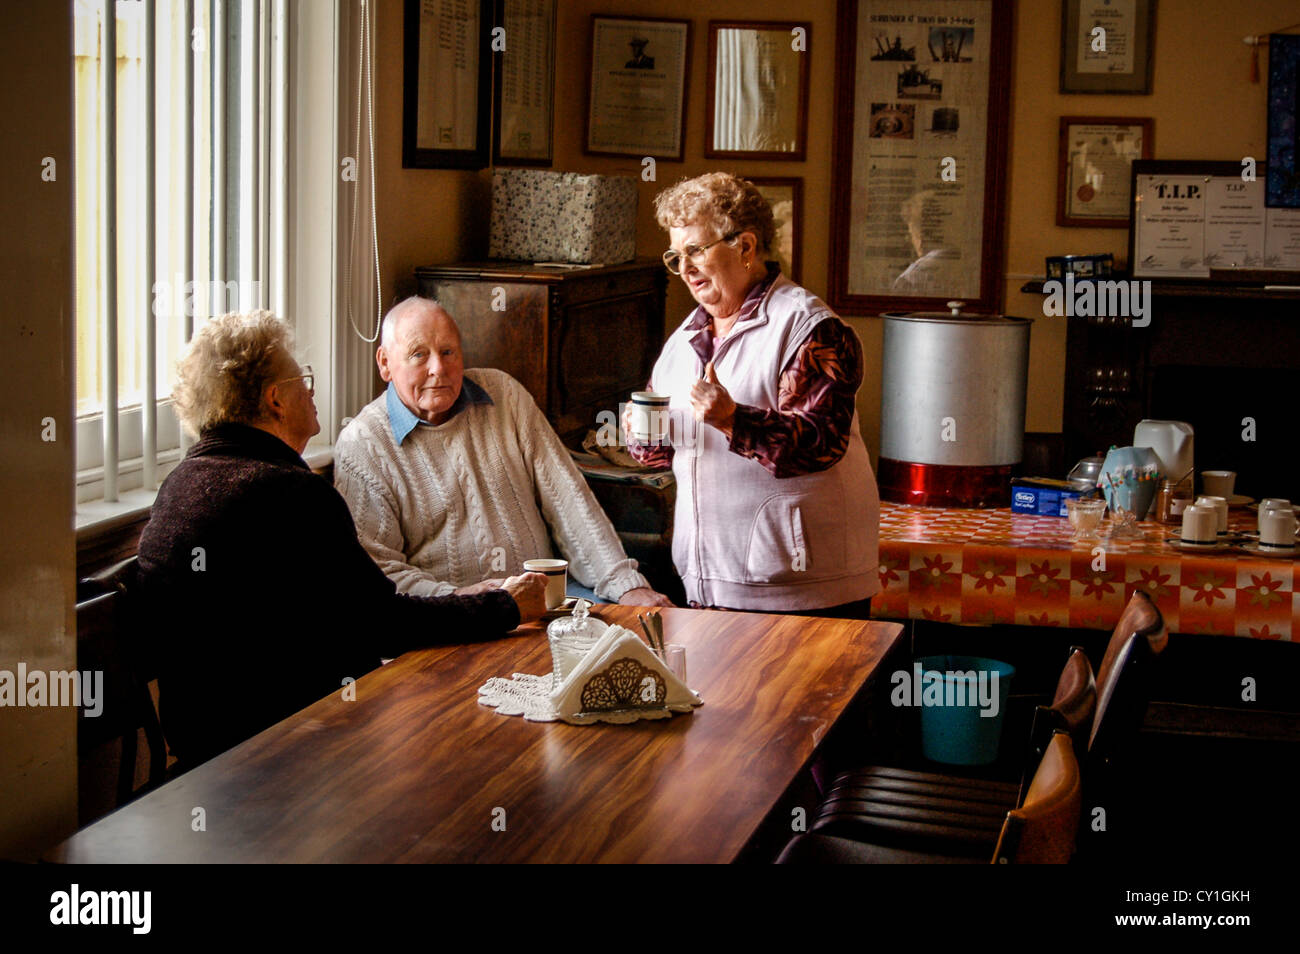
{"points": [[524, 83], [758, 90], [920, 154], [1094, 177], [637, 100], [1106, 45], [445, 88], [1208, 220], [785, 196]]}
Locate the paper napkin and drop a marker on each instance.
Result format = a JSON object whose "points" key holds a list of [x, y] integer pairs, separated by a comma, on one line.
{"points": [[621, 673]]}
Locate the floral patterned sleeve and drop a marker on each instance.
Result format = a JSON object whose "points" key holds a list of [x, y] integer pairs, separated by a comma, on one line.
{"points": [[809, 432]]}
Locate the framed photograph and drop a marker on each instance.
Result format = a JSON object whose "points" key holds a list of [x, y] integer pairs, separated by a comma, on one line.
{"points": [[919, 167], [758, 90], [637, 99], [1095, 172], [1205, 220], [446, 85], [785, 196], [523, 84], [1106, 45]]}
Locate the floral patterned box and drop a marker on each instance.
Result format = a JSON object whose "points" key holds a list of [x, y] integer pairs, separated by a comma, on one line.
{"points": [[542, 216]]}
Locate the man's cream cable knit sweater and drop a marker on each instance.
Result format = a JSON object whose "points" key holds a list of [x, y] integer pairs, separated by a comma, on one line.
{"points": [[472, 498]]}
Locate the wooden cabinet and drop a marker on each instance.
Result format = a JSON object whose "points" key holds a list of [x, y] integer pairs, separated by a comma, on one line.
{"points": [[579, 339]]}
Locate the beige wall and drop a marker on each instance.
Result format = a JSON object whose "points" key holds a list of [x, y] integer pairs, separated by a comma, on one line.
{"points": [[38, 764], [1203, 104]]}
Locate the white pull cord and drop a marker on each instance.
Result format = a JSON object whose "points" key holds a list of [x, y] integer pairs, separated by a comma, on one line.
{"points": [[366, 55]]}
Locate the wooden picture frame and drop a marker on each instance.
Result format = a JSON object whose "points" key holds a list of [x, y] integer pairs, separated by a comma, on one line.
{"points": [[523, 84], [637, 96], [1126, 64], [892, 198], [1094, 175], [757, 94], [787, 248], [441, 128]]}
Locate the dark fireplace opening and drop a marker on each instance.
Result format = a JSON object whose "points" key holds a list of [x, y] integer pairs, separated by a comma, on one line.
{"points": [[1220, 404]]}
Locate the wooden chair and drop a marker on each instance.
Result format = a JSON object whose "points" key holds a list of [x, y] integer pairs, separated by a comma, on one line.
{"points": [[109, 641], [909, 807], [1042, 831]]}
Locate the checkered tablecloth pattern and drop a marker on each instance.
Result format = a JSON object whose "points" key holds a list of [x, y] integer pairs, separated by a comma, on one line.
{"points": [[995, 566]]}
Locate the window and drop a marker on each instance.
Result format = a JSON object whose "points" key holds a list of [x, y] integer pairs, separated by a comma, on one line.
{"points": [[242, 184]]}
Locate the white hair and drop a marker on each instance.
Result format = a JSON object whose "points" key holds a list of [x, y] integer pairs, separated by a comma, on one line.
{"points": [[388, 330]]}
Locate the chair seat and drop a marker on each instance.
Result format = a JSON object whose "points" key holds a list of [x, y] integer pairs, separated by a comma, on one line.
{"points": [[819, 849]]}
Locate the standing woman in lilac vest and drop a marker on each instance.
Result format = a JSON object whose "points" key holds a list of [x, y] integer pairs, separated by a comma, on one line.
{"points": [[777, 509]]}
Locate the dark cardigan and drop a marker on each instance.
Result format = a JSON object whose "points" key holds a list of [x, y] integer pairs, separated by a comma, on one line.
{"points": [[262, 600]]}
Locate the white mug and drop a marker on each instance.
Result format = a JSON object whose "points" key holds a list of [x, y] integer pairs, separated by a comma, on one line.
{"points": [[649, 417], [1277, 529], [1200, 525], [557, 578], [1219, 483], [1220, 508]]}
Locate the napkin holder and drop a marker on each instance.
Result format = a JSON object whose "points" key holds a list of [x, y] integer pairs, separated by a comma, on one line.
{"points": [[621, 679]]}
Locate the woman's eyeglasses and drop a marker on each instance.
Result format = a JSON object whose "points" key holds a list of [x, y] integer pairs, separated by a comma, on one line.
{"points": [[308, 378], [692, 253]]}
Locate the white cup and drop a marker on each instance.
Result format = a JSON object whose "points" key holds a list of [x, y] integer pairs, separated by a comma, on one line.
{"points": [[1219, 483], [1271, 503], [649, 417], [1277, 529], [1220, 507], [1200, 525], [557, 578]]}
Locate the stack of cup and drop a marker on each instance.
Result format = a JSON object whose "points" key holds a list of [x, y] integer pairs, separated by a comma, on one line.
{"points": [[1220, 507], [1200, 526], [1277, 526]]}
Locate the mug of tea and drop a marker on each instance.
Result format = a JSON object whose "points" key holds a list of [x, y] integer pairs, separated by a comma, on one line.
{"points": [[557, 578]]}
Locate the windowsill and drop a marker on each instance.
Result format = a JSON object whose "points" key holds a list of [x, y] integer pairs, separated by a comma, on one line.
{"points": [[95, 517]]}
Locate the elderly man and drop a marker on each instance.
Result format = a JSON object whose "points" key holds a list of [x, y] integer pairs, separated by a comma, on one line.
{"points": [[260, 597], [455, 477]]}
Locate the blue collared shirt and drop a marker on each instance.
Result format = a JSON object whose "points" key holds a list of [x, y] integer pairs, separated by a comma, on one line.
{"points": [[402, 420]]}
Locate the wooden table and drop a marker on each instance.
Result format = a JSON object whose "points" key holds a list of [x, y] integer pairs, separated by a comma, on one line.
{"points": [[995, 566], [416, 770]]}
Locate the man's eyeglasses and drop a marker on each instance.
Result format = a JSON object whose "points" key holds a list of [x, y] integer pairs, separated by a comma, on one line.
{"points": [[692, 253], [308, 378]]}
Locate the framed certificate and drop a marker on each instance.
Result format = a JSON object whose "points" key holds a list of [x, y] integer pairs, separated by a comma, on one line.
{"points": [[1106, 45], [1095, 174], [919, 166], [758, 90], [446, 101], [1208, 220], [524, 83], [785, 196], [637, 98]]}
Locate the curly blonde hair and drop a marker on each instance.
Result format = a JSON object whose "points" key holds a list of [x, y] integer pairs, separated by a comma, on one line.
{"points": [[229, 363], [724, 202]]}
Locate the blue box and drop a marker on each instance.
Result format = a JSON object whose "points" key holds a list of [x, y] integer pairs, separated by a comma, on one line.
{"points": [[1041, 497]]}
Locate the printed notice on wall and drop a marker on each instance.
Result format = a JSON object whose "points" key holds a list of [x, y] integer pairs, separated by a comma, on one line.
{"points": [[447, 110], [1118, 18]]}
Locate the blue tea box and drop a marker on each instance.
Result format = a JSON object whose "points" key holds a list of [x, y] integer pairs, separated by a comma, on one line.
{"points": [[1041, 496]]}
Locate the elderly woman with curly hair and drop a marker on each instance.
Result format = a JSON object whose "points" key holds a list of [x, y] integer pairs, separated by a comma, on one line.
{"points": [[259, 596], [777, 509]]}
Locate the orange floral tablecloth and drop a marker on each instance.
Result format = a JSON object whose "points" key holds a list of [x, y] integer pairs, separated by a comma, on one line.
{"points": [[993, 566]]}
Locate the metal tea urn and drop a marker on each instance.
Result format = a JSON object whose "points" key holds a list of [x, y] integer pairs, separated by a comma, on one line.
{"points": [[952, 407]]}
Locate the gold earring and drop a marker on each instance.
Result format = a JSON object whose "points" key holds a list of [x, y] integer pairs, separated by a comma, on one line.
{"points": [[746, 266]]}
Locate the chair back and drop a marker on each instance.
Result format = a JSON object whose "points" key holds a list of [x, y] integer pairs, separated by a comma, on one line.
{"points": [[109, 642], [1138, 638], [1073, 708], [1044, 828]]}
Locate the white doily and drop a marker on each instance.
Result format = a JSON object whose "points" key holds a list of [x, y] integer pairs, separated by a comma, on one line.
{"points": [[530, 697]]}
